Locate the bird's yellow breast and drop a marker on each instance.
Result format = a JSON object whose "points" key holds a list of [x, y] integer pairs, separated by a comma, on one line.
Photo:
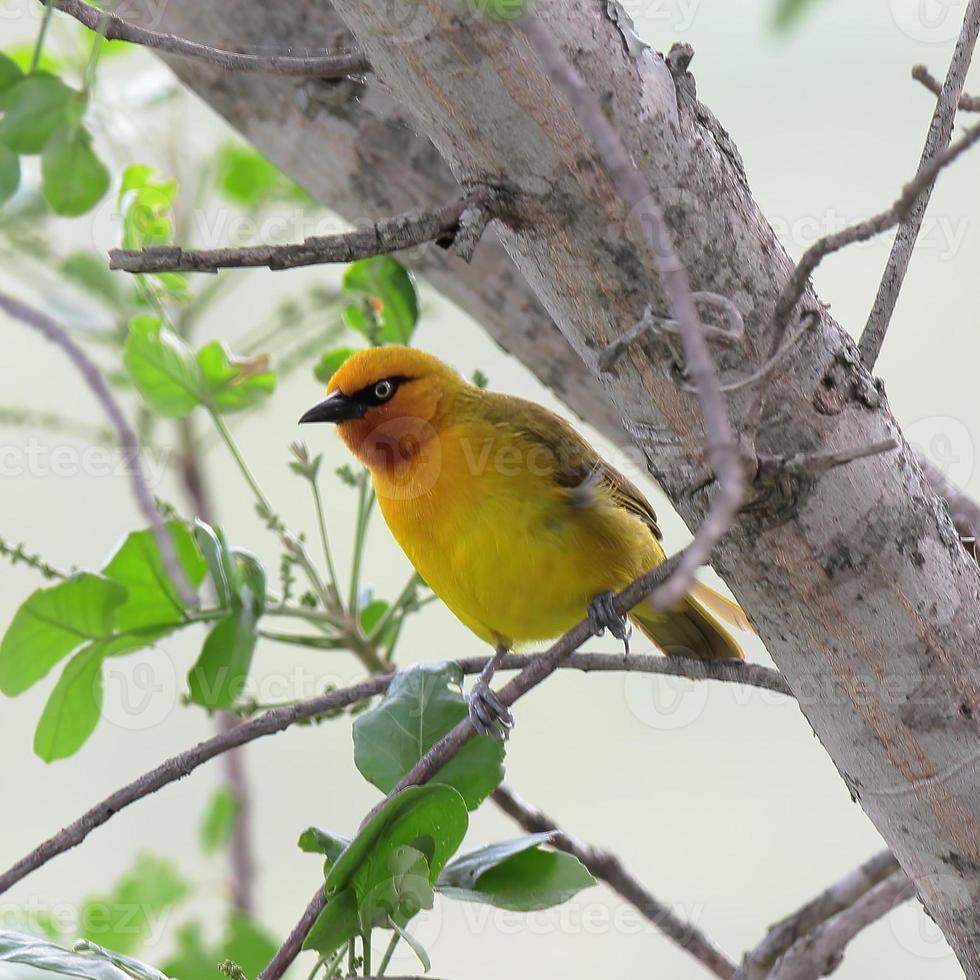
{"points": [[514, 554]]}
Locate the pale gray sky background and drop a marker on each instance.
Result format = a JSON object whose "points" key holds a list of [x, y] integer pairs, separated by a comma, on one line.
{"points": [[721, 800]]}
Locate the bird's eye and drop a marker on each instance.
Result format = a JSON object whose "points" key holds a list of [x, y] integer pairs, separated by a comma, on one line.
{"points": [[383, 390]]}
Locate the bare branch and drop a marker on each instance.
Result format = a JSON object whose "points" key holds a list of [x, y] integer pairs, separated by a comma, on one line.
{"points": [[128, 442], [610, 869], [293, 945], [940, 133], [440, 225], [534, 673], [841, 895], [114, 28], [902, 209], [279, 719], [968, 103], [821, 951], [722, 449]]}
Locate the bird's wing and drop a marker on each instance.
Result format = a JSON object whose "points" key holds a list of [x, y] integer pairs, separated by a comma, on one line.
{"points": [[577, 466]]}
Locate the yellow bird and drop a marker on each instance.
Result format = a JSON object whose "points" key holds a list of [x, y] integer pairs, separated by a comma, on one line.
{"points": [[509, 515]]}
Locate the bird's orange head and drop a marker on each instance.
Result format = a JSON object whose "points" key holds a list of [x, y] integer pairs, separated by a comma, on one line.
{"points": [[387, 403]]}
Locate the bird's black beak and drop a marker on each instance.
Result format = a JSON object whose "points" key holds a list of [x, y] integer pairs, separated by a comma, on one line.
{"points": [[336, 407]]}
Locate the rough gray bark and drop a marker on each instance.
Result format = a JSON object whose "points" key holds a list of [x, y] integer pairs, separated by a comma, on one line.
{"points": [[855, 578]]}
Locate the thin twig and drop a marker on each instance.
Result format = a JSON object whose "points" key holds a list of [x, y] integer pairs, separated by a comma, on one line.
{"points": [[820, 952], [609, 868], [721, 447], [321, 65], [841, 895], [864, 230], [439, 225], [536, 671], [940, 133], [128, 442], [968, 103], [279, 719]]}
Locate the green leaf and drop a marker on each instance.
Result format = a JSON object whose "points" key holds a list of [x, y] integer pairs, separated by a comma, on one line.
{"points": [[23, 54], [28, 950], [9, 173], [217, 556], [390, 293], [163, 368], [790, 12], [73, 178], [248, 944], [35, 107], [125, 917], [515, 875], [52, 623], [90, 272], [232, 384], [402, 894], [146, 202], [247, 178], [372, 613], [422, 704], [219, 675], [316, 841], [73, 708], [329, 364], [152, 598], [221, 671], [432, 819], [10, 73], [218, 824], [192, 959], [337, 923], [248, 582], [432, 811]]}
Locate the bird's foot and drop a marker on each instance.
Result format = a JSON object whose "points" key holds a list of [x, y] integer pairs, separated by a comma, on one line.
{"points": [[603, 616], [489, 715]]}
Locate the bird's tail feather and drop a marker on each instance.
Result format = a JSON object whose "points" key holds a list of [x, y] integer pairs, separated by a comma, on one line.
{"points": [[692, 629]]}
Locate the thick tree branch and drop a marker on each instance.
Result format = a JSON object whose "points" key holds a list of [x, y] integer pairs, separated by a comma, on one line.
{"points": [[824, 566], [128, 443], [964, 510], [940, 133], [279, 719], [821, 572], [610, 869], [114, 28], [721, 446], [820, 952], [440, 225], [838, 897]]}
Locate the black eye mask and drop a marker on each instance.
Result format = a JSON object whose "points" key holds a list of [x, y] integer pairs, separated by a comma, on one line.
{"points": [[373, 394]]}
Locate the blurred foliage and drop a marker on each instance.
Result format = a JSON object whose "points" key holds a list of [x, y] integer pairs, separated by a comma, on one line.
{"points": [[144, 332]]}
